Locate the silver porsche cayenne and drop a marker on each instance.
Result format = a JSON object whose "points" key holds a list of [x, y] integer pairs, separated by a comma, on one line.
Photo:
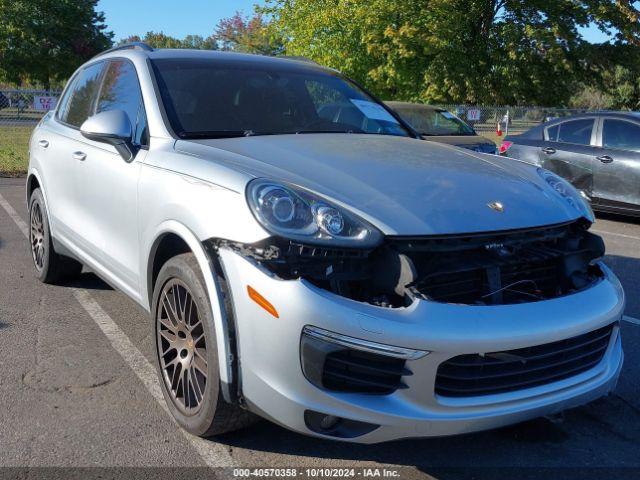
{"points": [[307, 259]]}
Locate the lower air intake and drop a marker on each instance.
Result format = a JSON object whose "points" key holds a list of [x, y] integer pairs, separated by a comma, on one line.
{"points": [[500, 372]]}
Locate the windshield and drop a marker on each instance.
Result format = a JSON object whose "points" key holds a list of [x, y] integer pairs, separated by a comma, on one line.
{"points": [[213, 98], [433, 121]]}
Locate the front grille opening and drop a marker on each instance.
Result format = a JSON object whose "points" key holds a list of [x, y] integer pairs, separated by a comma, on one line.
{"points": [[500, 268], [499, 372], [342, 369]]}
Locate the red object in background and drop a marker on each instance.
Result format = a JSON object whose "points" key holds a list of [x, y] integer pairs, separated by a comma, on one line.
{"points": [[498, 130], [505, 146]]}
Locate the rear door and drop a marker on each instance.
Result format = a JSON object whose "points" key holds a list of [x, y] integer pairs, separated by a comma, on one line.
{"points": [[569, 151], [617, 165]]}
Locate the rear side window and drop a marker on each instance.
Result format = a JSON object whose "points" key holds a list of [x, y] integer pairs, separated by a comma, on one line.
{"points": [[621, 135], [82, 96], [121, 91], [577, 132]]}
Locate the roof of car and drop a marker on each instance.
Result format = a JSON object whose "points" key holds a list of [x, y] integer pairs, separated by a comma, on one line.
{"points": [[142, 49], [599, 113]]}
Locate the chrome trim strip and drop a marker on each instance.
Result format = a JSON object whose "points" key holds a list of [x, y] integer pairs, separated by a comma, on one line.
{"points": [[364, 345]]}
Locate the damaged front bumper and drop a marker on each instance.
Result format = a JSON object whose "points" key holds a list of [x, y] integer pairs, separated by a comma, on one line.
{"points": [[276, 383]]}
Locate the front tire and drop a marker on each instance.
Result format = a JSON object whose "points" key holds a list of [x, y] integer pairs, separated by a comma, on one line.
{"points": [[50, 266], [186, 353]]}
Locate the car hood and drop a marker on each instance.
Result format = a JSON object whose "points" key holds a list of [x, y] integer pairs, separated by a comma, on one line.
{"points": [[403, 186]]}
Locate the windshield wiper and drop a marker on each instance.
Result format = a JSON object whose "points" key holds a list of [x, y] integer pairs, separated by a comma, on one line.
{"points": [[222, 134], [298, 132]]}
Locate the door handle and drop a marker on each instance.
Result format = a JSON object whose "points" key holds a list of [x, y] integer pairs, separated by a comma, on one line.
{"points": [[43, 143], [605, 159], [79, 156], [549, 150]]}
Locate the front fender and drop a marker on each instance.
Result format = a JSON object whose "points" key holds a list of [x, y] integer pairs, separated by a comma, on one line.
{"points": [[220, 319]]}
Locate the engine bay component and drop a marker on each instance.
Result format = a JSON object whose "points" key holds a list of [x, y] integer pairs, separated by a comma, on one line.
{"points": [[476, 269]]}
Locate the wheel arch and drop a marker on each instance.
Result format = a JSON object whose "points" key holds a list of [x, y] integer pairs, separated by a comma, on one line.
{"points": [[34, 181], [173, 238]]}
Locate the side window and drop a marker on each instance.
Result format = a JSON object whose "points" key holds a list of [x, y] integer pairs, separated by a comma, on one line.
{"points": [[621, 135], [63, 104], [552, 133], [121, 91], [82, 96], [577, 132]]}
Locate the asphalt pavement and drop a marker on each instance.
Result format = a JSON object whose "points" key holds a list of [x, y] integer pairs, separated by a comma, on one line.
{"points": [[78, 389]]}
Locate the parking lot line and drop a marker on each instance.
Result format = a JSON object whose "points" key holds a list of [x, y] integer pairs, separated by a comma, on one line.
{"points": [[621, 235], [213, 454]]}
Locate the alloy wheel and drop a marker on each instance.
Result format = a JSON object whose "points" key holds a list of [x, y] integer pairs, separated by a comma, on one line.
{"points": [[182, 347], [37, 236]]}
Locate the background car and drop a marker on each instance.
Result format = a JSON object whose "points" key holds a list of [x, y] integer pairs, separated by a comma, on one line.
{"points": [[439, 125], [4, 101], [599, 153]]}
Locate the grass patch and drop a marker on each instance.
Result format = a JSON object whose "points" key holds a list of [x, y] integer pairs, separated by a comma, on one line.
{"points": [[14, 149]]}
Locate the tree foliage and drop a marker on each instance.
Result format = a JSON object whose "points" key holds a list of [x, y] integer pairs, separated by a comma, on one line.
{"points": [[248, 35], [160, 40], [44, 41], [463, 51]]}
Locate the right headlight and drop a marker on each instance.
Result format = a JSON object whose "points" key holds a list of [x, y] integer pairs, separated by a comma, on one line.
{"points": [[292, 212], [568, 193]]}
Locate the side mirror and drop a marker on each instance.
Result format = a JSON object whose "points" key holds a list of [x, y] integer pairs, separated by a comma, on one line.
{"points": [[112, 127]]}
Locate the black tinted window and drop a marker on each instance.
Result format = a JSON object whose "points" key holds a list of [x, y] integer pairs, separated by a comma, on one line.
{"points": [[83, 95], [213, 97], [576, 132], [121, 91], [620, 134]]}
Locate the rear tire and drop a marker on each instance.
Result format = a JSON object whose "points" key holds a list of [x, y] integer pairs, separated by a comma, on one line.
{"points": [[186, 352], [50, 266]]}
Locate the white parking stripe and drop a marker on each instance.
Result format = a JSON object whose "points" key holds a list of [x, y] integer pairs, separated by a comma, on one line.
{"points": [[24, 228], [635, 321], [621, 235], [213, 454]]}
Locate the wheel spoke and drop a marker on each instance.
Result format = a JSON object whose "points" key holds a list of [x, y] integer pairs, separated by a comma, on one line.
{"points": [[166, 303], [200, 363], [196, 384], [169, 336]]}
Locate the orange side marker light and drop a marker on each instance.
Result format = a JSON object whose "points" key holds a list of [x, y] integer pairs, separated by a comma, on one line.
{"points": [[263, 302]]}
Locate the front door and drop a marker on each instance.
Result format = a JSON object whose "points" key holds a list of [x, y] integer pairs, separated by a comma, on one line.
{"points": [[108, 185], [617, 174]]}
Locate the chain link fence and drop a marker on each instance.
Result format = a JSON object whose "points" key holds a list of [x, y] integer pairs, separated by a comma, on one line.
{"points": [[20, 111], [497, 122]]}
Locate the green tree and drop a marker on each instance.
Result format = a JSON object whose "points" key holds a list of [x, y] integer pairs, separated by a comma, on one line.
{"points": [[160, 40], [466, 51], [248, 35], [44, 41]]}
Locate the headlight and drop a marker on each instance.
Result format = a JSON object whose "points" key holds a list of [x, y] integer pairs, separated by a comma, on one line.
{"points": [[568, 192], [297, 214]]}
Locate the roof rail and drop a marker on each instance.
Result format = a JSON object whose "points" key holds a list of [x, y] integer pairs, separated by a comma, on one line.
{"points": [[128, 46]]}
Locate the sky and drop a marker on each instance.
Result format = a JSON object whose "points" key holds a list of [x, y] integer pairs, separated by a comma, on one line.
{"points": [[195, 17], [177, 18]]}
